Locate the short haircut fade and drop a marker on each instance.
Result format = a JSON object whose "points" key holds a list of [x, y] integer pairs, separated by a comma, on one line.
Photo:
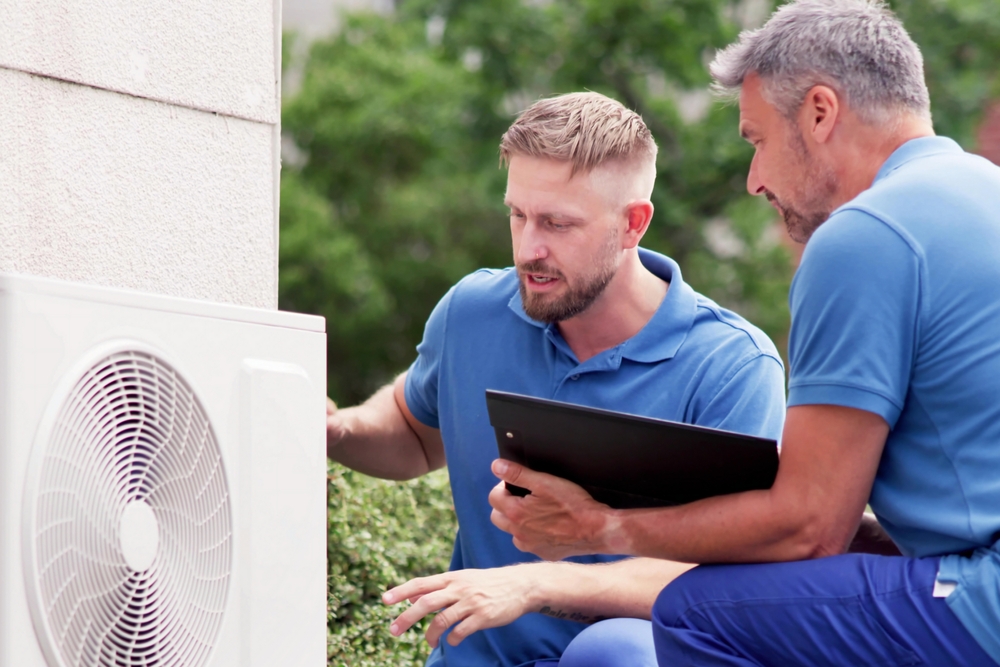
{"points": [[587, 130], [857, 47]]}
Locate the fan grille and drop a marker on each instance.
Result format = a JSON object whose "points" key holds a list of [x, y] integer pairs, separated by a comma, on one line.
{"points": [[131, 431]]}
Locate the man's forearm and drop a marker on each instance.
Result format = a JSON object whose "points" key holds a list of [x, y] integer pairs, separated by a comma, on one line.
{"points": [[377, 440], [747, 527], [829, 458], [591, 593]]}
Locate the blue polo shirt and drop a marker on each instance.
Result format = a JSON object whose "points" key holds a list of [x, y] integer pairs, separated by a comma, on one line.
{"points": [[896, 310], [693, 362]]}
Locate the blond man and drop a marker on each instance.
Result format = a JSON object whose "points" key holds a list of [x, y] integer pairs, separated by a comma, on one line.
{"points": [[585, 317]]}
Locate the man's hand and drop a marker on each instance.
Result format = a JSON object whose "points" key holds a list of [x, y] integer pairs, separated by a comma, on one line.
{"points": [[556, 520], [335, 430], [470, 600], [829, 457]]}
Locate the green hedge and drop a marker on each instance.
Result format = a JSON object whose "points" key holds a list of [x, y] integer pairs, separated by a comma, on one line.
{"points": [[381, 534]]}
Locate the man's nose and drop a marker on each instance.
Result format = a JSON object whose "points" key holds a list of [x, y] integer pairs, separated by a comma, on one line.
{"points": [[531, 245], [754, 186]]}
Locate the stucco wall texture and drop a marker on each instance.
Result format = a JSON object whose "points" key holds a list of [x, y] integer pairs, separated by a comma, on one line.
{"points": [[139, 145]]}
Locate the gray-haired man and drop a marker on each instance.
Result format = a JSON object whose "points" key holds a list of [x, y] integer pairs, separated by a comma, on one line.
{"points": [[894, 390]]}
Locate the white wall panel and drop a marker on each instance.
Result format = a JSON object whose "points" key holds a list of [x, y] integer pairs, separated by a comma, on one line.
{"points": [[109, 189], [204, 54]]}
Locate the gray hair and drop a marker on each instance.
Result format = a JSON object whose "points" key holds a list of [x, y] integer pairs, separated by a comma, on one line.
{"points": [[857, 47]]}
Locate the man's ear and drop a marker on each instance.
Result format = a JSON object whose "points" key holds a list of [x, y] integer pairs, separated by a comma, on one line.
{"points": [[819, 113], [639, 214]]}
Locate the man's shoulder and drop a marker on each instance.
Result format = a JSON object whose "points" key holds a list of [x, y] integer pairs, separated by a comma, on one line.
{"points": [[719, 329], [480, 298], [485, 288], [924, 186]]}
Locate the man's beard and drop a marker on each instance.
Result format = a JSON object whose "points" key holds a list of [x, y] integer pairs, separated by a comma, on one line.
{"points": [[577, 298], [820, 186]]}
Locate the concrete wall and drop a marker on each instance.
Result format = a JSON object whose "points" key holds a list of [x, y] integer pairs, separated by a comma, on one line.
{"points": [[139, 144]]}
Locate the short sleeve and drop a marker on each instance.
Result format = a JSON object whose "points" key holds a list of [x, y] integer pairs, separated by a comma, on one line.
{"points": [[421, 388], [751, 401], [855, 304]]}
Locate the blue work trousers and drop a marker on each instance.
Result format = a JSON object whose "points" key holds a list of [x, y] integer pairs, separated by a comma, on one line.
{"points": [[854, 610], [616, 642]]}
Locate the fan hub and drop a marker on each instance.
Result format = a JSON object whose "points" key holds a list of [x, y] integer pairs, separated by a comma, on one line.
{"points": [[139, 532]]}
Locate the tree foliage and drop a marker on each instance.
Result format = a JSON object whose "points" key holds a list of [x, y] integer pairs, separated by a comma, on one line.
{"points": [[398, 193], [960, 42], [399, 118]]}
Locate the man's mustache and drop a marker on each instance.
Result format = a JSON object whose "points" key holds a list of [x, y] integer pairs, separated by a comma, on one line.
{"points": [[538, 266]]}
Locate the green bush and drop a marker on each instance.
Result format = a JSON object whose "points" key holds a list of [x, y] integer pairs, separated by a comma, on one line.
{"points": [[380, 535]]}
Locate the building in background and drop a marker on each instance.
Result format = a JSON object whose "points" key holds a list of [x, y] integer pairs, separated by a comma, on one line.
{"points": [[139, 145], [315, 18], [988, 138]]}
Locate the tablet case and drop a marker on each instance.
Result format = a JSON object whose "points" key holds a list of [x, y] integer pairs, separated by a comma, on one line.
{"points": [[627, 461]]}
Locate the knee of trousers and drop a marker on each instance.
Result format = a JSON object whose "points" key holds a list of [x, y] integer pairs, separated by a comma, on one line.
{"points": [[616, 641], [674, 601]]}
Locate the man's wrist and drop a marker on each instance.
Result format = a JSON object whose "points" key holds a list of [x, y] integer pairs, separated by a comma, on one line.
{"points": [[612, 536], [566, 591], [336, 438], [543, 585]]}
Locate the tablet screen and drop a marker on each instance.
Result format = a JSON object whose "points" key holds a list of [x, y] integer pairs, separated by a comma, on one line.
{"points": [[626, 460]]}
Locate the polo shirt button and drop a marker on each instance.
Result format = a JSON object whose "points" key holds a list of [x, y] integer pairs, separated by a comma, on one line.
{"points": [[574, 377]]}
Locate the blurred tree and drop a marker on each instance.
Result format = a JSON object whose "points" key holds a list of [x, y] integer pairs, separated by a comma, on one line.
{"points": [[398, 118], [399, 193], [960, 41]]}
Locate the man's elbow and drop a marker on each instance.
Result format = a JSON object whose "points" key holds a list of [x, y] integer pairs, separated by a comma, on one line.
{"points": [[871, 538], [816, 538]]}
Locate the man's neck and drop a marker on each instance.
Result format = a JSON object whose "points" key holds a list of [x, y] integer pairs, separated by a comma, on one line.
{"points": [[868, 151], [627, 304]]}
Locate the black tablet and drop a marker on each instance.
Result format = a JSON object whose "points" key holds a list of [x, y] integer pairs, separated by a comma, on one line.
{"points": [[624, 460]]}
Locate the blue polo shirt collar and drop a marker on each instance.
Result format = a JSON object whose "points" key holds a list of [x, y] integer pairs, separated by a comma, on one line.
{"points": [[663, 334], [915, 149]]}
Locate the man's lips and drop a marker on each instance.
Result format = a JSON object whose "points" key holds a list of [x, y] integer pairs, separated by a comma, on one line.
{"points": [[774, 202], [540, 283]]}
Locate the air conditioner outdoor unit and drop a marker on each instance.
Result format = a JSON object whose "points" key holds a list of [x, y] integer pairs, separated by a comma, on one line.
{"points": [[162, 481]]}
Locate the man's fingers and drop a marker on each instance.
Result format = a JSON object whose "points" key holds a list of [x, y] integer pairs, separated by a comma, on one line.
{"points": [[521, 546], [513, 473], [415, 588], [428, 604], [500, 498], [331, 407], [464, 617], [536, 482], [444, 620], [468, 626], [501, 521]]}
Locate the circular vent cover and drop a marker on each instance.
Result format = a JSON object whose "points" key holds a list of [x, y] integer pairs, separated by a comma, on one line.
{"points": [[128, 527]]}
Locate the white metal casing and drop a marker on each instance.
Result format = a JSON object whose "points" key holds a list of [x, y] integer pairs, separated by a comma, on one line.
{"points": [[259, 376]]}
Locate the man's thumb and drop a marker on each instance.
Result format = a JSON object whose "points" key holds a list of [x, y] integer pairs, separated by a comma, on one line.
{"points": [[508, 471]]}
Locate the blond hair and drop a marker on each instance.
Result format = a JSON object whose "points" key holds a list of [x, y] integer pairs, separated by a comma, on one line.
{"points": [[587, 130]]}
